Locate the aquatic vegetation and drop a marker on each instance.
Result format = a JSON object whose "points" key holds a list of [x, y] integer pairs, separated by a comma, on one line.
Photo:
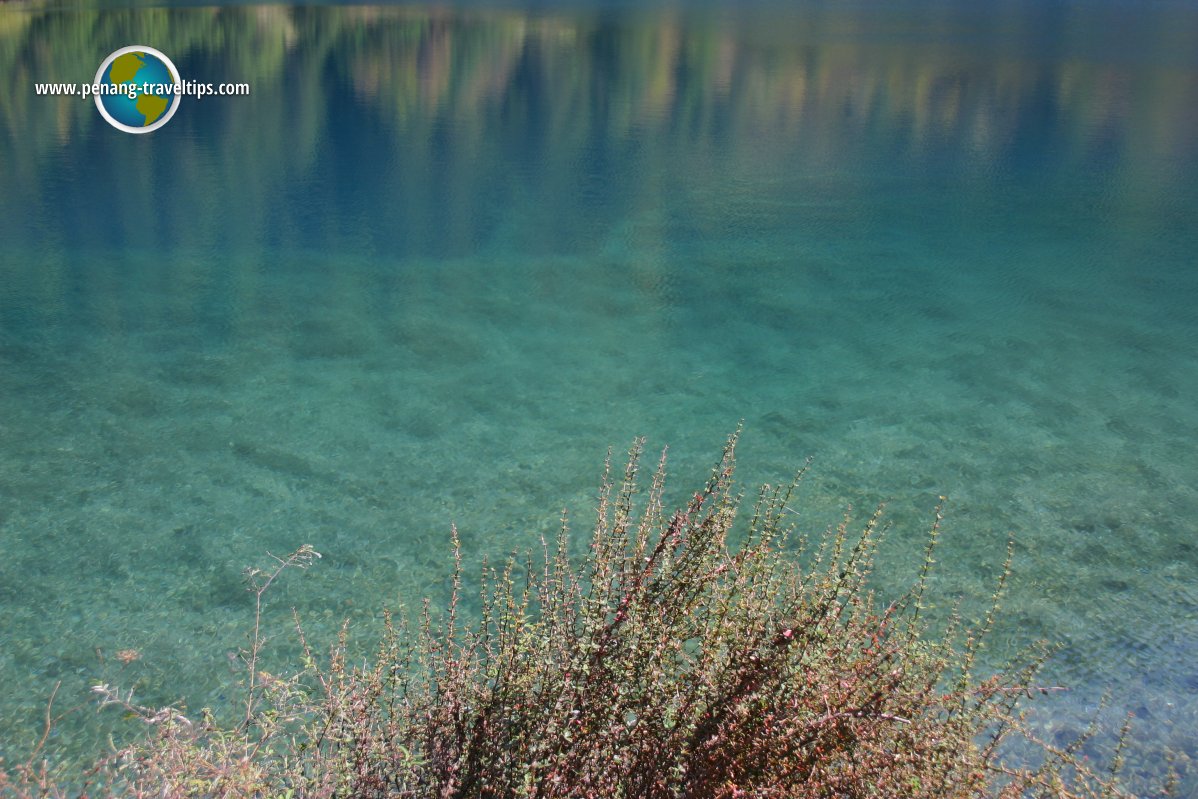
{"points": [[683, 654]]}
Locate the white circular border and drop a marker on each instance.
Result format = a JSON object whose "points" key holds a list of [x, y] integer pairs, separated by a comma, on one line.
{"points": [[170, 112]]}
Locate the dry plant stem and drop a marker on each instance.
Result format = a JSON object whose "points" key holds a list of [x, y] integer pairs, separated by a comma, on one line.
{"points": [[46, 727], [260, 583]]}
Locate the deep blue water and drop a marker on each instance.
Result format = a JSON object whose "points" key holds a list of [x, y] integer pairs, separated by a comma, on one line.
{"points": [[442, 258]]}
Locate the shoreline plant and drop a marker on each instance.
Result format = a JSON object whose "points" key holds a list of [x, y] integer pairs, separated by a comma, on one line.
{"points": [[666, 663]]}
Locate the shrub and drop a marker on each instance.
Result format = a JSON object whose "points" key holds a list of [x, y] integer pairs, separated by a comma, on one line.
{"points": [[671, 662]]}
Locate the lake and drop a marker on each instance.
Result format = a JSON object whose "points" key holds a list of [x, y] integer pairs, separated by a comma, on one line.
{"points": [[442, 257]]}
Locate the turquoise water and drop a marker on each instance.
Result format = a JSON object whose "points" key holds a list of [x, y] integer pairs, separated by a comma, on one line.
{"points": [[440, 260]]}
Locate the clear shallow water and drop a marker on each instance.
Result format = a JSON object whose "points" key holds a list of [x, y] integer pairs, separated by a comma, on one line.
{"points": [[440, 260]]}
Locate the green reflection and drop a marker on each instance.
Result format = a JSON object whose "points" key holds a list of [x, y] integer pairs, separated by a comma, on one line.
{"points": [[811, 88]]}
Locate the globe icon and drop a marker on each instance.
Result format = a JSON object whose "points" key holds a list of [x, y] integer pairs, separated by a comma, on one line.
{"points": [[137, 89]]}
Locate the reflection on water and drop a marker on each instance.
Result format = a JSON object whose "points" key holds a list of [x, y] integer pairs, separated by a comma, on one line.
{"points": [[456, 110], [439, 260]]}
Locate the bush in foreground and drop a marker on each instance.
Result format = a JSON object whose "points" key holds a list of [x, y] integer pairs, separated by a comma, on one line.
{"points": [[669, 663]]}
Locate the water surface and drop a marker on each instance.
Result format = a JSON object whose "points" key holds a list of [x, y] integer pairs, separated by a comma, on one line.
{"points": [[441, 259]]}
